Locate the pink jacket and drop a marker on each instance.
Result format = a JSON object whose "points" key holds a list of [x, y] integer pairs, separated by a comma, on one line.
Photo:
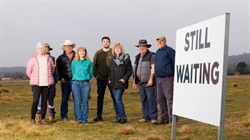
{"points": [[32, 70]]}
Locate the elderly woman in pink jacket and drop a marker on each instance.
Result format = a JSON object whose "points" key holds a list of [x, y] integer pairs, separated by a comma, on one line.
{"points": [[40, 69]]}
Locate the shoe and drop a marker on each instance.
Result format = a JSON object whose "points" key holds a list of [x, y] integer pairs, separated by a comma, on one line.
{"points": [[123, 120], [65, 119], [154, 122], [118, 119], [32, 121], [84, 123], [52, 118], [98, 119], [42, 122], [37, 118], [163, 122], [142, 120]]}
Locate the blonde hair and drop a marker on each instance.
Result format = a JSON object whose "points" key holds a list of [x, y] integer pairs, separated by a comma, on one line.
{"points": [[77, 57], [117, 45]]}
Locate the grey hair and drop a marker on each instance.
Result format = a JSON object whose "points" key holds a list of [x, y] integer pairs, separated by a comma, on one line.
{"points": [[39, 44]]}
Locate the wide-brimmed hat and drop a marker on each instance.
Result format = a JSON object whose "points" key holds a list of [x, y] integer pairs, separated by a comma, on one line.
{"points": [[47, 45], [143, 42], [68, 43]]}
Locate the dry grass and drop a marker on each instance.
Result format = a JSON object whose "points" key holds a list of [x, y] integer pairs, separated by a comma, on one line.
{"points": [[15, 116], [154, 137], [135, 139], [23, 128], [4, 90], [127, 130], [185, 129]]}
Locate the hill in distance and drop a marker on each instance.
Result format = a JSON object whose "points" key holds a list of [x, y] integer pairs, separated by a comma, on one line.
{"points": [[232, 61]]}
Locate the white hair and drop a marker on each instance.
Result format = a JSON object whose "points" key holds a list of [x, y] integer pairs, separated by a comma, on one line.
{"points": [[40, 44]]}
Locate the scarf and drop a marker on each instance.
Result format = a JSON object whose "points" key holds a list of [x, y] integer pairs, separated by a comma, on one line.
{"points": [[120, 59]]}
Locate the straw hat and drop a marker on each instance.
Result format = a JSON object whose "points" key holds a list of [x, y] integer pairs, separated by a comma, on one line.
{"points": [[68, 43]]}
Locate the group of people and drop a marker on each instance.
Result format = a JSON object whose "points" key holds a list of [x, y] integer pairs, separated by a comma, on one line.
{"points": [[112, 67]]}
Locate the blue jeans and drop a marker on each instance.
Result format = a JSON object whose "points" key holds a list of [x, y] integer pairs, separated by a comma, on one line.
{"points": [[81, 91], [66, 90], [148, 101], [119, 106], [101, 87], [52, 95]]}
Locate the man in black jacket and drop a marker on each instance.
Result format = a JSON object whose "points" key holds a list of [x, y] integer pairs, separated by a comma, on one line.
{"points": [[63, 63]]}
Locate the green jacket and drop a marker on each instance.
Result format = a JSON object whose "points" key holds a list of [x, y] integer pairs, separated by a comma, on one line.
{"points": [[101, 64], [82, 69]]}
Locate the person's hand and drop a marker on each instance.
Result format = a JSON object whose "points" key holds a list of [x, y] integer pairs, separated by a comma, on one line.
{"points": [[63, 81], [134, 85], [150, 83], [121, 80]]}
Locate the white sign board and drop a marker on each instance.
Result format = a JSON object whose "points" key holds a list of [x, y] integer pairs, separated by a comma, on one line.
{"points": [[199, 69]]}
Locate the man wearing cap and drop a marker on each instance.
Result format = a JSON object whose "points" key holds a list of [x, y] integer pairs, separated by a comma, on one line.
{"points": [[164, 73], [144, 77], [63, 63]]}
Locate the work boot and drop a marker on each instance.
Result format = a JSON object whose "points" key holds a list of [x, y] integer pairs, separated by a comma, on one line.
{"points": [[123, 120], [52, 118], [38, 118], [42, 122], [163, 121], [98, 118], [142, 120], [154, 122], [32, 121]]}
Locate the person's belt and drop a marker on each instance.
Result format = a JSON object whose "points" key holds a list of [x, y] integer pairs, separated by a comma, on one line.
{"points": [[162, 77], [81, 81]]}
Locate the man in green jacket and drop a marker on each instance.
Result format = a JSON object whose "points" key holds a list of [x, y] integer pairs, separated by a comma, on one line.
{"points": [[101, 62]]}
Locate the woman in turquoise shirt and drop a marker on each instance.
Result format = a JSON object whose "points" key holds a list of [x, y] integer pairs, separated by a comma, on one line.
{"points": [[82, 72]]}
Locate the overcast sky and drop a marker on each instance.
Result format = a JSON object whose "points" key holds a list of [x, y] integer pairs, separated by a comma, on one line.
{"points": [[24, 23]]}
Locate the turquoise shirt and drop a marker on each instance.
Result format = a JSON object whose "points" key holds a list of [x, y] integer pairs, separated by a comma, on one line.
{"points": [[82, 69]]}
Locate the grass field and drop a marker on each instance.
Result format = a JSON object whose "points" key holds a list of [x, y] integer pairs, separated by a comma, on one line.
{"points": [[15, 103]]}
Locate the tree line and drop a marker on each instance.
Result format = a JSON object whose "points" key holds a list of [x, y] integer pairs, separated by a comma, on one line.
{"points": [[15, 75], [240, 69]]}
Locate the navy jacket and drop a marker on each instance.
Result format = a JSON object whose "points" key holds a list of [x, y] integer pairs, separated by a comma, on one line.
{"points": [[164, 62]]}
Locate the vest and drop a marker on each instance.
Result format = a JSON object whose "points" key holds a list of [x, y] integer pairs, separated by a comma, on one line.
{"points": [[145, 67]]}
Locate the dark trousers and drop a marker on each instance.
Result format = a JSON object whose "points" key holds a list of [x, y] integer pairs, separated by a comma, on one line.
{"points": [[101, 87], [51, 96], [66, 90], [37, 91], [148, 101], [164, 89]]}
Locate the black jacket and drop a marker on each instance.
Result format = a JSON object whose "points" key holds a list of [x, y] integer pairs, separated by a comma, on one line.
{"points": [[63, 64], [122, 70]]}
